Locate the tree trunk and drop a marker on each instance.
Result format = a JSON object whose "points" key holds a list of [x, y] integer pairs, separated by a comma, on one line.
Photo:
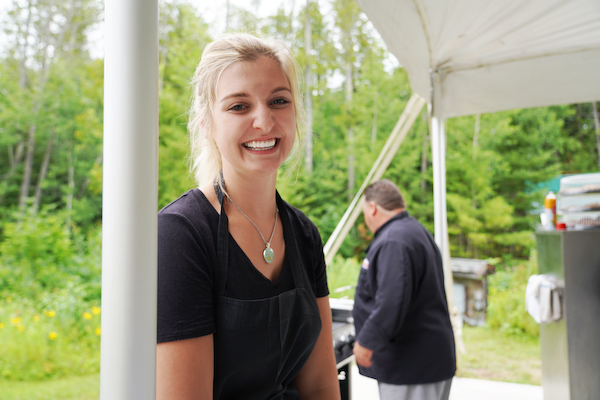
{"points": [[23, 59], [475, 148], [43, 172], [308, 155], [424, 152], [88, 179], [374, 124], [351, 157], [71, 185], [227, 15], [26, 182], [596, 128], [15, 158]]}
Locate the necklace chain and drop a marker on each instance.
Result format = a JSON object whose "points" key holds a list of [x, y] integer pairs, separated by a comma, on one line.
{"points": [[268, 253]]}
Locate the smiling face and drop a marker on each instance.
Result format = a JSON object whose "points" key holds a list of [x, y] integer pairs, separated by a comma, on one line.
{"points": [[253, 118]]}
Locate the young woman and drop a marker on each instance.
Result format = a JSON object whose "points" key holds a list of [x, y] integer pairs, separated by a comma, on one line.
{"points": [[243, 309]]}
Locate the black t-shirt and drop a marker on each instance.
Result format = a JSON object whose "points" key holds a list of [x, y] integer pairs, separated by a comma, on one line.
{"points": [[187, 259]]}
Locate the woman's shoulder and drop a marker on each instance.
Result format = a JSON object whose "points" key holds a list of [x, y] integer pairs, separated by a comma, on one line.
{"points": [[191, 202], [191, 208]]}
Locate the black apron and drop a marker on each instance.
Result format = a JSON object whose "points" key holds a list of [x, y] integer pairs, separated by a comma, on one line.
{"points": [[261, 345]]}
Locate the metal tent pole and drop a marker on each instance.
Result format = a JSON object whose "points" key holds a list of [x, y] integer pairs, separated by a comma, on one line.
{"points": [[405, 122], [130, 187], [438, 152]]}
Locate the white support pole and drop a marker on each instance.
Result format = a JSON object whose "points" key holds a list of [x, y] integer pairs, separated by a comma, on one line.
{"points": [[438, 152], [405, 122], [130, 187]]}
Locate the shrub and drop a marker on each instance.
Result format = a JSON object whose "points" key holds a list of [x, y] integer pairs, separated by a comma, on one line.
{"points": [[343, 274], [56, 337], [43, 252], [506, 300]]}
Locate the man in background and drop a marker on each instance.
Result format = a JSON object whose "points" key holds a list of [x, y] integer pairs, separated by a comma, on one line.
{"points": [[404, 338]]}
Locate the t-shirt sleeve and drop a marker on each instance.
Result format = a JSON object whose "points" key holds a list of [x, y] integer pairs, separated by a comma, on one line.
{"points": [[185, 280], [322, 288]]}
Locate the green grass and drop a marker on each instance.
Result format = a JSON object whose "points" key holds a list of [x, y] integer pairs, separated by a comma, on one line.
{"points": [[343, 273], [70, 388], [48, 339], [491, 354], [498, 356]]}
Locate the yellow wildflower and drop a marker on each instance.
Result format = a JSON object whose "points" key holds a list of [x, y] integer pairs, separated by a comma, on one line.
{"points": [[98, 331], [1, 325], [52, 335], [87, 315], [95, 310], [50, 313], [9, 299], [21, 328], [36, 318], [16, 321]]}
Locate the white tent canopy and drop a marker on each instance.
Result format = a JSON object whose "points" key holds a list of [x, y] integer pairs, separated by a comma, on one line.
{"points": [[494, 55]]}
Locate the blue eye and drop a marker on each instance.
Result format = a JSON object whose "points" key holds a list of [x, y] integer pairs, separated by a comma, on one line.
{"points": [[280, 102], [237, 107]]}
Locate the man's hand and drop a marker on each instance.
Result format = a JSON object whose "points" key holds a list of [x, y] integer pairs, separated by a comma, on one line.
{"points": [[363, 355]]}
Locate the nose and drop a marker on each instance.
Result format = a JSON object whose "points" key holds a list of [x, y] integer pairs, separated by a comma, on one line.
{"points": [[263, 119]]}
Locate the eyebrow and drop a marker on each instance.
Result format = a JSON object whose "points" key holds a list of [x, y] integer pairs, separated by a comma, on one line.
{"points": [[244, 95]]}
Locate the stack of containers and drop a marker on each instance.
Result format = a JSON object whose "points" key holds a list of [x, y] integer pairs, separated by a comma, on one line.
{"points": [[578, 201]]}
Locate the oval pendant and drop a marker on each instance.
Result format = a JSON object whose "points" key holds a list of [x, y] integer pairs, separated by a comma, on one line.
{"points": [[269, 255]]}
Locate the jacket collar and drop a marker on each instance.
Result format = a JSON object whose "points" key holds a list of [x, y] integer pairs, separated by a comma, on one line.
{"points": [[400, 215]]}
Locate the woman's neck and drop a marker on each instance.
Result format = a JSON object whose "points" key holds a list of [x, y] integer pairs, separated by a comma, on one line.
{"points": [[255, 196]]}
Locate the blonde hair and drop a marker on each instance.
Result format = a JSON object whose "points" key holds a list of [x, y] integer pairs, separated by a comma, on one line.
{"points": [[217, 56]]}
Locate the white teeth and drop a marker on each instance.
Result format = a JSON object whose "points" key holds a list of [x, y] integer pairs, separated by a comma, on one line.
{"points": [[264, 145]]}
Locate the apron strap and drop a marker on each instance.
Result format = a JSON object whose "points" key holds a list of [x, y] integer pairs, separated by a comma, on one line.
{"points": [[278, 395], [292, 252], [222, 250], [291, 246]]}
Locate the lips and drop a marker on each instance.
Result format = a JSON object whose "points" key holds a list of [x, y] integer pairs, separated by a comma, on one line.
{"points": [[261, 145]]}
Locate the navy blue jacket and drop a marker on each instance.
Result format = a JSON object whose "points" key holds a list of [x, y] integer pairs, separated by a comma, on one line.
{"points": [[400, 308]]}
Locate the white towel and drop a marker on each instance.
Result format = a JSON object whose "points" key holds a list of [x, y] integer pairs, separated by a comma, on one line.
{"points": [[543, 298]]}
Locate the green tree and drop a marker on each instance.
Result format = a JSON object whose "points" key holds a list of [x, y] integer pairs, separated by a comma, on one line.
{"points": [[183, 36]]}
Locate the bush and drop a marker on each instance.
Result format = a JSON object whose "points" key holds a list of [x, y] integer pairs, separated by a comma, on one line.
{"points": [[506, 299], [49, 298], [343, 274], [58, 336], [43, 252]]}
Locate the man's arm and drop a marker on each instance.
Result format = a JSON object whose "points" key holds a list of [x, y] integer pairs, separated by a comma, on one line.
{"points": [[394, 290]]}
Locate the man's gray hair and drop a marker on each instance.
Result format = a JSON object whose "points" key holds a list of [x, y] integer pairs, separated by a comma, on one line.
{"points": [[385, 194]]}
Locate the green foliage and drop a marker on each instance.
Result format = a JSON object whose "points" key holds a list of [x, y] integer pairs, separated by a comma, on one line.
{"points": [[183, 37], [69, 388], [56, 336], [506, 299], [40, 253], [342, 276], [498, 356]]}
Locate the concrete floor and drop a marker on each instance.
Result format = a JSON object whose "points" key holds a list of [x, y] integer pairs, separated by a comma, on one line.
{"points": [[462, 389]]}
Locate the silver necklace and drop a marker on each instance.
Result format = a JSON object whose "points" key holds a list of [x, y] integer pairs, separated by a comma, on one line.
{"points": [[268, 253]]}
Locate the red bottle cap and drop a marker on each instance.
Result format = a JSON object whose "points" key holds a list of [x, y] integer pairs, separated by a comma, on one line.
{"points": [[561, 226]]}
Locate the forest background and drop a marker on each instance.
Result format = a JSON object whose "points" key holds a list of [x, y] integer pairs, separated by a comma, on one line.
{"points": [[51, 109]]}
